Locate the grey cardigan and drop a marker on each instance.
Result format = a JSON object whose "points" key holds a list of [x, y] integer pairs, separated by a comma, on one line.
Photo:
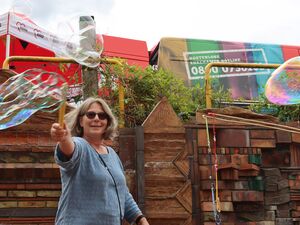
{"points": [[94, 188]]}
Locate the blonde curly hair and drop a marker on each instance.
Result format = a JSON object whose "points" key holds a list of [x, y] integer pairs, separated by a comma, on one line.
{"points": [[73, 118]]}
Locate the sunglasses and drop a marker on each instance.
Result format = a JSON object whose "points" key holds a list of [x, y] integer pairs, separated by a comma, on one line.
{"points": [[101, 115]]}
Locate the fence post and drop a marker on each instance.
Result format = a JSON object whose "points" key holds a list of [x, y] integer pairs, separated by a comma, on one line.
{"points": [[194, 175], [89, 75], [139, 131]]}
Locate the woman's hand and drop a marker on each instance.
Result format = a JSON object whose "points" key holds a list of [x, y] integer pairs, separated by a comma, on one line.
{"points": [[63, 136], [58, 133], [143, 221]]}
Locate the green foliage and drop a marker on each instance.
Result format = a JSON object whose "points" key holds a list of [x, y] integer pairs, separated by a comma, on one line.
{"points": [[219, 95], [145, 87], [283, 113]]}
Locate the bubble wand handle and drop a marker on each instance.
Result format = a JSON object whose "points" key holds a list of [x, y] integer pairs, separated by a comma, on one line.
{"points": [[61, 114], [62, 109]]}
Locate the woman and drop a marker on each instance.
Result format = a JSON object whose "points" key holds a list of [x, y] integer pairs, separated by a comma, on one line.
{"points": [[94, 190]]}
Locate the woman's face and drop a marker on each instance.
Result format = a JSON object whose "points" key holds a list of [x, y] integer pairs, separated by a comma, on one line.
{"points": [[93, 126]]}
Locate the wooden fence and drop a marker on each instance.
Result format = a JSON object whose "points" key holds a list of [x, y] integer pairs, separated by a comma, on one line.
{"points": [[167, 165]]}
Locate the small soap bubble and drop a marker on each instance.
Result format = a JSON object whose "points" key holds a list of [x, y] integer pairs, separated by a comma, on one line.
{"points": [[283, 87]]}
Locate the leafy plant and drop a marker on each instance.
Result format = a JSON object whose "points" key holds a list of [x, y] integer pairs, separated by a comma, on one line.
{"points": [[283, 113], [144, 88]]}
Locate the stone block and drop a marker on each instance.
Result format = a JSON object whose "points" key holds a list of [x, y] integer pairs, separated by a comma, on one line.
{"points": [[49, 194], [262, 134], [283, 137], [295, 214], [51, 204], [270, 215], [263, 143], [254, 159], [265, 223], [284, 183], [271, 172], [233, 138], [202, 138], [8, 138], [241, 185], [248, 170], [225, 206], [225, 196], [283, 213], [276, 198], [296, 137], [256, 183], [250, 216], [294, 184], [228, 173], [3, 193], [8, 204], [26, 194], [31, 204], [276, 158], [247, 196], [247, 206], [270, 207], [284, 221]]}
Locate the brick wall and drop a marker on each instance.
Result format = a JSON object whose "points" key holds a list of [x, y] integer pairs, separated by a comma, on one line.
{"points": [[258, 174], [29, 178]]}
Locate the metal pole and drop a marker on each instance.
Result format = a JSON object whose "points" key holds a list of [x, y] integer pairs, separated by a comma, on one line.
{"points": [[7, 47], [10, 59], [90, 81], [208, 89]]}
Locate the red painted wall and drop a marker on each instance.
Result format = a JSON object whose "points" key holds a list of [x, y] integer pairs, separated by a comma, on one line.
{"points": [[134, 51]]}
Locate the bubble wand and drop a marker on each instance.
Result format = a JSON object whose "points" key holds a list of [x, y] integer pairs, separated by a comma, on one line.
{"points": [[62, 108]]}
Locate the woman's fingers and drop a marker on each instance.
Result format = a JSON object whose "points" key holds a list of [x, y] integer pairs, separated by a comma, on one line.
{"points": [[58, 133]]}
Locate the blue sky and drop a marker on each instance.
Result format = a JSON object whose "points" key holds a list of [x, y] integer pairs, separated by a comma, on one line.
{"points": [[261, 21]]}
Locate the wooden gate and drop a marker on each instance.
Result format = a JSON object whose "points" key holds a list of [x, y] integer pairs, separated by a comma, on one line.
{"points": [[167, 187]]}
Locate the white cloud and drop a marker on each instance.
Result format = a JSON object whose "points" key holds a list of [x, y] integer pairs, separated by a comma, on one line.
{"points": [[265, 21]]}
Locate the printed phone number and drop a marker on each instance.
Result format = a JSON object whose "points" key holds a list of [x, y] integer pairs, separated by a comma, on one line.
{"points": [[196, 70]]}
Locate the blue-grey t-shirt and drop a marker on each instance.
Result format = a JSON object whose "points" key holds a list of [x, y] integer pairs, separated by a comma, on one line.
{"points": [[89, 195]]}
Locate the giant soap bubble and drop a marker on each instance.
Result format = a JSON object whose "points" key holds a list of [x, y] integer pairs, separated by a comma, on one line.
{"points": [[26, 93], [80, 42], [283, 87]]}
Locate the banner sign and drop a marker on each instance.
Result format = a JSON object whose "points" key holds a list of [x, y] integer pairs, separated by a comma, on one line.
{"points": [[195, 63], [25, 29], [3, 24], [187, 59]]}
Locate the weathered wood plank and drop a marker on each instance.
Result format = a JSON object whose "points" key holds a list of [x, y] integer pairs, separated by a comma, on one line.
{"points": [[163, 119], [140, 173]]}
